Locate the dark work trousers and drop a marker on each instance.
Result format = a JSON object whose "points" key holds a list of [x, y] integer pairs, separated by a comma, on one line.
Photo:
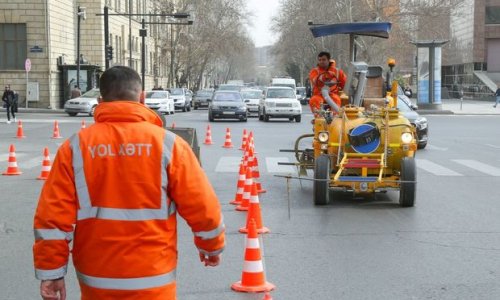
{"points": [[10, 109]]}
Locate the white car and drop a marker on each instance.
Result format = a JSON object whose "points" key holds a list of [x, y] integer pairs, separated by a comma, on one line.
{"points": [[280, 102], [161, 101], [182, 98], [86, 103], [252, 98]]}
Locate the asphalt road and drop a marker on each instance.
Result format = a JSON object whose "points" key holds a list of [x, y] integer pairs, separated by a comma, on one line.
{"points": [[446, 247]]}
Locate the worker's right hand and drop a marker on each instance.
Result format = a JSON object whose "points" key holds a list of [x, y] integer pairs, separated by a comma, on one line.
{"points": [[211, 261], [53, 289]]}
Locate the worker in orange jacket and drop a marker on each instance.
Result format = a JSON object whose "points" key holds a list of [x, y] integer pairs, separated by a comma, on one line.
{"points": [[114, 190], [325, 71]]}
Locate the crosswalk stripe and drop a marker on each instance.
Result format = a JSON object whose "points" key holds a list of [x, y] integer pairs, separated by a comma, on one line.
{"points": [[479, 166], [228, 164], [435, 169], [273, 167], [5, 157], [30, 164], [493, 146], [432, 147]]}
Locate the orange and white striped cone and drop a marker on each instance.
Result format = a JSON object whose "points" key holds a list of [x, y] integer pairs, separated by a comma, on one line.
{"points": [[256, 175], [208, 136], [239, 187], [173, 125], [254, 213], [12, 168], [83, 125], [251, 142], [247, 191], [244, 140], [20, 132], [267, 296], [56, 134], [44, 174], [227, 142], [253, 278]]}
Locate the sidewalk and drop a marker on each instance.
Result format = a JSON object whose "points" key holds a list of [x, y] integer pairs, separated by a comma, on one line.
{"points": [[467, 107]]}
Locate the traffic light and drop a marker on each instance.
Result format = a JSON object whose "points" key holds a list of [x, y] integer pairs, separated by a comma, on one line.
{"points": [[109, 52]]}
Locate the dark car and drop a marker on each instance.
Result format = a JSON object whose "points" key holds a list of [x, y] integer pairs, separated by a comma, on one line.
{"points": [[409, 111], [227, 105], [202, 98]]}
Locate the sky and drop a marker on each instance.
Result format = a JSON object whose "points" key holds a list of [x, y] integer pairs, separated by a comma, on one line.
{"points": [[263, 11]]}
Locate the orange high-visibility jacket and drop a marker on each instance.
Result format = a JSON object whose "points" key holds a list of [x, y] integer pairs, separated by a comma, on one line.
{"points": [[114, 189], [318, 76]]}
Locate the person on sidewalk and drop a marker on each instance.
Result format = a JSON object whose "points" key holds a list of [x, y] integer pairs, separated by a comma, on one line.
{"points": [[76, 92], [497, 97], [115, 189], [8, 99]]}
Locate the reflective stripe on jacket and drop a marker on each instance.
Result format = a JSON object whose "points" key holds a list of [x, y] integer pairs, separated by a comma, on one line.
{"points": [[119, 184]]}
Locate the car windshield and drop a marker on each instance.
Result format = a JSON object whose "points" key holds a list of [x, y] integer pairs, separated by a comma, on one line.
{"points": [[156, 95], [301, 92], [228, 87], [176, 92], [280, 93], [231, 97], [251, 94], [92, 94], [402, 105]]}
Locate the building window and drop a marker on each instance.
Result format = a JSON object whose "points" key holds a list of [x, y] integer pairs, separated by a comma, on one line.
{"points": [[492, 15], [12, 46]]}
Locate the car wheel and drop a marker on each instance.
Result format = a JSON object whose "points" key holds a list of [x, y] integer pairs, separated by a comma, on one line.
{"points": [[266, 117], [210, 117], [407, 191], [321, 186], [298, 119], [92, 111], [290, 119], [72, 114], [184, 108], [189, 107], [261, 117], [422, 145], [195, 107]]}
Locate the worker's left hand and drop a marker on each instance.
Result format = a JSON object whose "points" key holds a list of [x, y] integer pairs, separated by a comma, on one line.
{"points": [[211, 261], [53, 289]]}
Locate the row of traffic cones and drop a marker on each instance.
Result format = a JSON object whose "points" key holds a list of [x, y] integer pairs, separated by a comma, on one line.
{"points": [[56, 134], [253, 277], [13, 169], [227, 142]]}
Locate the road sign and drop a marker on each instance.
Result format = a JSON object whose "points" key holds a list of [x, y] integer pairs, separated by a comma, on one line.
{"points": [[27, 65]]}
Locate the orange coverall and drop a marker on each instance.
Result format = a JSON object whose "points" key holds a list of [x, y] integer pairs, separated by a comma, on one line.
{"points": [[114, 189], [318, 76]]}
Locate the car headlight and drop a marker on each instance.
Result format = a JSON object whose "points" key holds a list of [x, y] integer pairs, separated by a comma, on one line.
{"points": [[270, 104], [421, 123], [323, 136], [406, 137]]}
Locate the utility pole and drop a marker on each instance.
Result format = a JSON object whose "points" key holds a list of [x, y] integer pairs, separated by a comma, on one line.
{"points": [[143, 34], [106, 35], [130, 9]]}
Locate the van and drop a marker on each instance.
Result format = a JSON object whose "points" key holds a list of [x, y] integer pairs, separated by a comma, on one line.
{"points": [[287, 82]]}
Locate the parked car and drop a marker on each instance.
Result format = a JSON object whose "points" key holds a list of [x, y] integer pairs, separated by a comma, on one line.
{"points": [[86, 103], [280, 102], [202, 98], [161, 101], [252, 98], [227, 105], [409, 110], [182, 98], [301, 95]]}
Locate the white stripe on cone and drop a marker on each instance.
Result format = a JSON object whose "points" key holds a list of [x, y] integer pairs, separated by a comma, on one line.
{"points": [[45, 168], [253, 266], [12, 164], [252, 243]]}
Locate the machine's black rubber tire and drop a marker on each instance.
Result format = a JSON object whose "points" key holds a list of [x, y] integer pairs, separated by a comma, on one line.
{"points": [[422, 145], [408, 190], [298, 119], [321, 189]]}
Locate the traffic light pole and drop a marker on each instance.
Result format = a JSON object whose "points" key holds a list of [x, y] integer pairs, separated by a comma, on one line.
{"points": [[143, 34], [106, 35]]}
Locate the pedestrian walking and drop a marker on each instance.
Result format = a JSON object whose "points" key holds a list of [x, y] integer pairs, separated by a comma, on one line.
{"points": [[8, 98], [76, 92], [114, 189], [497, 97]]}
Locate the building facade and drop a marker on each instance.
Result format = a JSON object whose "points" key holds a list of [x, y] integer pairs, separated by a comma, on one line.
{"points": [[46, 32]]}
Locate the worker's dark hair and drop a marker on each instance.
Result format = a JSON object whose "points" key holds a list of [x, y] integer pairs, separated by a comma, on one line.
{"points": [[120, 83], [324, 53]]}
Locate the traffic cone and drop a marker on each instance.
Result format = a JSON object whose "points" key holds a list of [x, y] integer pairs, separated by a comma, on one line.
{"points": [[83, 125], [20, 132], [247, 191], [267, 296], [173, 125], [254, 213], [244, 140], [56, 134], [12, 168], [208, 136], [45, 165], [227, 142], [253, 279], [240, 186], [256, 174]]}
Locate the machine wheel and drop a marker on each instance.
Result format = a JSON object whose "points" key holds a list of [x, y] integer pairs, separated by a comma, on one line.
{"points": [[422, 145], [298, 119], [321, 189], [408, 190]]}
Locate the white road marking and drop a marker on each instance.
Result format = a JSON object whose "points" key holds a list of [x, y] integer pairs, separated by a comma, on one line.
{"points": [[32, 163], [479, 166], [435, 169], [273, 167], [5, 157], [493, 146], [228, 164], [79, 121], [432, 147]]}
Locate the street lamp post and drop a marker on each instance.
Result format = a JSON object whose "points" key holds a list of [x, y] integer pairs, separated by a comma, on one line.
{"points": [[81, 14]]}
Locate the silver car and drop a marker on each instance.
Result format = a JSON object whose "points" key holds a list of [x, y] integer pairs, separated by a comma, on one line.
{"points": [[86, 103], [252, 98]]}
